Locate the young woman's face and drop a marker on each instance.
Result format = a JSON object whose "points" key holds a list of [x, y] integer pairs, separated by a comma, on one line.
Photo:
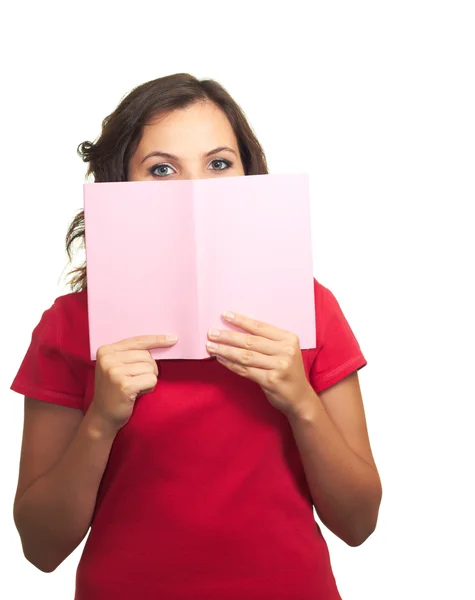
{"points": [[196, 142]]}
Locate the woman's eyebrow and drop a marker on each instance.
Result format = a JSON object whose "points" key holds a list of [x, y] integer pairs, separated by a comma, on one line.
{"points": [[220, 149], [160, 153], [173, 157]]}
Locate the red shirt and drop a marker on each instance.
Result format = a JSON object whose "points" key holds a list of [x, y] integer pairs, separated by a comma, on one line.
{"points": [[204, 495]]}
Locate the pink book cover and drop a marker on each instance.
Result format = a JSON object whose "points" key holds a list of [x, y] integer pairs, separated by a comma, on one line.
{"points": [[171, 256]]}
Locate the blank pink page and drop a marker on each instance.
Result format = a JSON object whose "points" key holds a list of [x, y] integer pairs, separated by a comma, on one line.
{"points": [[141, 263], [171, 256], [254, 252]]}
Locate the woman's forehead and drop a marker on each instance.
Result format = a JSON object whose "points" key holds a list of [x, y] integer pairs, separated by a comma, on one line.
{"points": [[196, 128]]}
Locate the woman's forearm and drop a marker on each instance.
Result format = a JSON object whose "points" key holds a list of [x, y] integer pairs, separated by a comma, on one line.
{"points": [[345, 489], [53, 515]]}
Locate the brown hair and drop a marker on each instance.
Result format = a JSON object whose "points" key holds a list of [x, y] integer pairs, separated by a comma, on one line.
{"points": [[109, 155]]}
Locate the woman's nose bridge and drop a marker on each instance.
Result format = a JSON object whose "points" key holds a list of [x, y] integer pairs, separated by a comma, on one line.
{"points": [[195, 172], [193, 167]]}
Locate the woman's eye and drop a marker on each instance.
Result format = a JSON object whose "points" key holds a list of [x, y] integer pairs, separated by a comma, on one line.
{"points": [[160, 170], [220, 164]]}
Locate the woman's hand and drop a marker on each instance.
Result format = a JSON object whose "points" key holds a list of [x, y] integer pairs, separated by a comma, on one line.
{"points": [[124, 371], [269, 356]]}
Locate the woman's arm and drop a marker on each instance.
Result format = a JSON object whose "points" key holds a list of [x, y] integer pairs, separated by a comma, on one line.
{"points": [[331, 435], [63, 458], [64, 455]]}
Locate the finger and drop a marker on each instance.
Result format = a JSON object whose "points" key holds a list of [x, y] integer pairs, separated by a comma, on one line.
{"points": [[143, 342], [139, 368], [256, 375], [142, 393], [244, 340], [140, 384], [247, 358], [134, 356], [255, 327]]}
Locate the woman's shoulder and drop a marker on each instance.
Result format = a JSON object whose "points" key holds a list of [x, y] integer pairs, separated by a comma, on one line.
{"points": [[56, 365], [338, 352], [330, 319], [325, 303], [73, 303], [71, 316], [322, 293], [71, 310]]}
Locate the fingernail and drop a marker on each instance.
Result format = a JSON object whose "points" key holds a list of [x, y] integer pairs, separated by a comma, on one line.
{"points": [[172, 338], [228, 315]]}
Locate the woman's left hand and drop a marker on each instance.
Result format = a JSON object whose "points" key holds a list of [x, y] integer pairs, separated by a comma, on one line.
{"points": [[267, 355]]}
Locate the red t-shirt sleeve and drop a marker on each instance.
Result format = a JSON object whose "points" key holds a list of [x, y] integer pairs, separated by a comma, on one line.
{"points": [[338, 351], [45, 373]]}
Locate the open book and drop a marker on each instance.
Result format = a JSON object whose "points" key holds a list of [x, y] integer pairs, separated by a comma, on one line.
{"points": [[169, 257]]}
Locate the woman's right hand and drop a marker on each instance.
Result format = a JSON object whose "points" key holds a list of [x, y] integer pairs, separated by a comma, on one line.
{"points": [[124, 371]]}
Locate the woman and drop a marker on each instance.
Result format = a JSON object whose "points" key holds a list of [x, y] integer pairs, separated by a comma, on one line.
{"points": [[198, 478]]}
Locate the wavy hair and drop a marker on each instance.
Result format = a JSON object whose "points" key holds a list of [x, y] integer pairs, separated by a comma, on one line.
{"points": [[109, 155]]}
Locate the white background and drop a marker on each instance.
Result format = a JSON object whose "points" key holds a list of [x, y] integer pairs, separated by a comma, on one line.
{"points": [[376, 101]]}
